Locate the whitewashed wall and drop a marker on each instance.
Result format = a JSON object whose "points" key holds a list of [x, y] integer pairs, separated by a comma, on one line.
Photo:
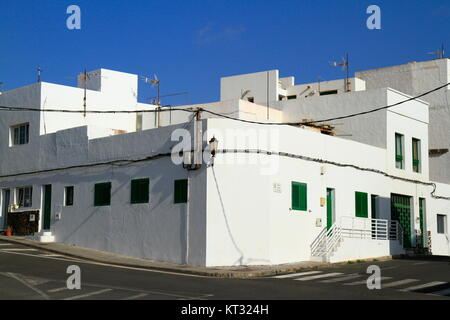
{"points": [[243, 206], [160, 230], [416, 78]]}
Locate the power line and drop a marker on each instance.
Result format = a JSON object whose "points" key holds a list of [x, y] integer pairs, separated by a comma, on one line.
{"points": [[329, 119], [306, 158], [246, 151], [6, 108]]}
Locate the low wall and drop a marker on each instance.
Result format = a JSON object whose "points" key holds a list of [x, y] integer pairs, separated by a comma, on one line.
{"points": [[353, 248]]}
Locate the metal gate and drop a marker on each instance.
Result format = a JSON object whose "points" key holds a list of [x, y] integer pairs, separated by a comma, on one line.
{"points": [[401, 211]]}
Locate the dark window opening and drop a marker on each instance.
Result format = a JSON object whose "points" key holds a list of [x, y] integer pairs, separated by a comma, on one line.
{"points": [[325, 93], [102, 194], [140, 189], [68, 197]]}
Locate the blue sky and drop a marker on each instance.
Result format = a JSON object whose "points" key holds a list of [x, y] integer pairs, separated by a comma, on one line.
{"points": [[190, 44]]}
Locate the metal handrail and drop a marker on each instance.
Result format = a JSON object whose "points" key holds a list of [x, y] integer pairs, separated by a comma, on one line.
{"points": [[362, 228]]}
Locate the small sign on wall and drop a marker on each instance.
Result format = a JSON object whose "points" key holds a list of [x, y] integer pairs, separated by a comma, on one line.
{"points": [[276, 187], [32, 217], [319, 222], [323, 201]]}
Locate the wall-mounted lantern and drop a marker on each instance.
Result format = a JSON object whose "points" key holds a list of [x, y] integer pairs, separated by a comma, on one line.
{"points": [[213, 144]]}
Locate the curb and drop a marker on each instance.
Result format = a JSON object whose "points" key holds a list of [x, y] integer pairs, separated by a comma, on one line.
{"points": [[213, 273]]}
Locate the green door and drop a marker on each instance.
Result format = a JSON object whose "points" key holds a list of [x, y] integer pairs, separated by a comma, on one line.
{"points": [[423, 230], [330, 207], [401, 211], [47, 206]]}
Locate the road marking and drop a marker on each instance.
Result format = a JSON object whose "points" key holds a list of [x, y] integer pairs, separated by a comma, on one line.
{"points": [[364, 282], [423, 286], [293, 275], [141, 295], [398, 283], [326, 275], [25, 283], [5, 244], [420, 263], [57, 290], [344, 278], [82, 260], [18, 249], [88, 294], [51, 255], [444, 292]]}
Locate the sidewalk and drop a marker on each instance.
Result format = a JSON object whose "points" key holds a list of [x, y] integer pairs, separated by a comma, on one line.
{"points": [[119, 260]]}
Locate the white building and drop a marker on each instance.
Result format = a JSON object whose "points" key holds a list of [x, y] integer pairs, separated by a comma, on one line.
{"points": [[272, 194]]}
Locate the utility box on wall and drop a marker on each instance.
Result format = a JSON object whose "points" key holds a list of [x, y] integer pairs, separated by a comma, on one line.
{"points": [[24, 223]]}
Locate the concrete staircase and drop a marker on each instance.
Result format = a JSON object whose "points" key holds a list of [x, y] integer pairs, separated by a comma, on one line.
{"points": [[44, 236]]}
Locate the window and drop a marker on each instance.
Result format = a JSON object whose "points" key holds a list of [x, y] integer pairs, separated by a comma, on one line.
{"points": [[361, 205], [416, 155], [24, 197], [441, 223], [20, 134], [399, 151], [68, 196], [181, 191], [374, 206], [102, 194], [299, 196], [139, 121], [251, 99], [292, 97], [140, 190], [325, 93]]}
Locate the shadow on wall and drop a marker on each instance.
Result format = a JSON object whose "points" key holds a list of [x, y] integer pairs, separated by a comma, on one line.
{"points": [[239, 261]]}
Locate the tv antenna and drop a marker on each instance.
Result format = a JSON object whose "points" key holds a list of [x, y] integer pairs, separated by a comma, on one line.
{"points": [[244, 93], [186, 93], [85, 77], [39, 70], [345, 66], [154, 83], [440, 53]]}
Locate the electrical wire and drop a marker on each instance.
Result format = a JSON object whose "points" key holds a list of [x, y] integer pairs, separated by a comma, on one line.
{"points": [[318, 160], [312, 122], [194, 110], [6, 108], [123, 162]]}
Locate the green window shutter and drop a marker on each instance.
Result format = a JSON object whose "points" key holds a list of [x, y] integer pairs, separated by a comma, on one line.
{"points": [[295, 194], [361, 205], [416, 154], [102, 194], [140, 189], [299, 196], [181, 191]]}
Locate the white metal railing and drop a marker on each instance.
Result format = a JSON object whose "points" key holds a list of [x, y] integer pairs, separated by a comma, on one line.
{"points": [[353, 227], [327, 241], [366, 228]]}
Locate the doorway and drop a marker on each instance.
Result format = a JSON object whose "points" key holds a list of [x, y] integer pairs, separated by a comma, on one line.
{"points": [[4, 210], [330, 208], [47, 207], [401, 211]]}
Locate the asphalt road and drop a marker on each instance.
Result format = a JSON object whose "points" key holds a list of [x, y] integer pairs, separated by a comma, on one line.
{"points": [[32, 274]]}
